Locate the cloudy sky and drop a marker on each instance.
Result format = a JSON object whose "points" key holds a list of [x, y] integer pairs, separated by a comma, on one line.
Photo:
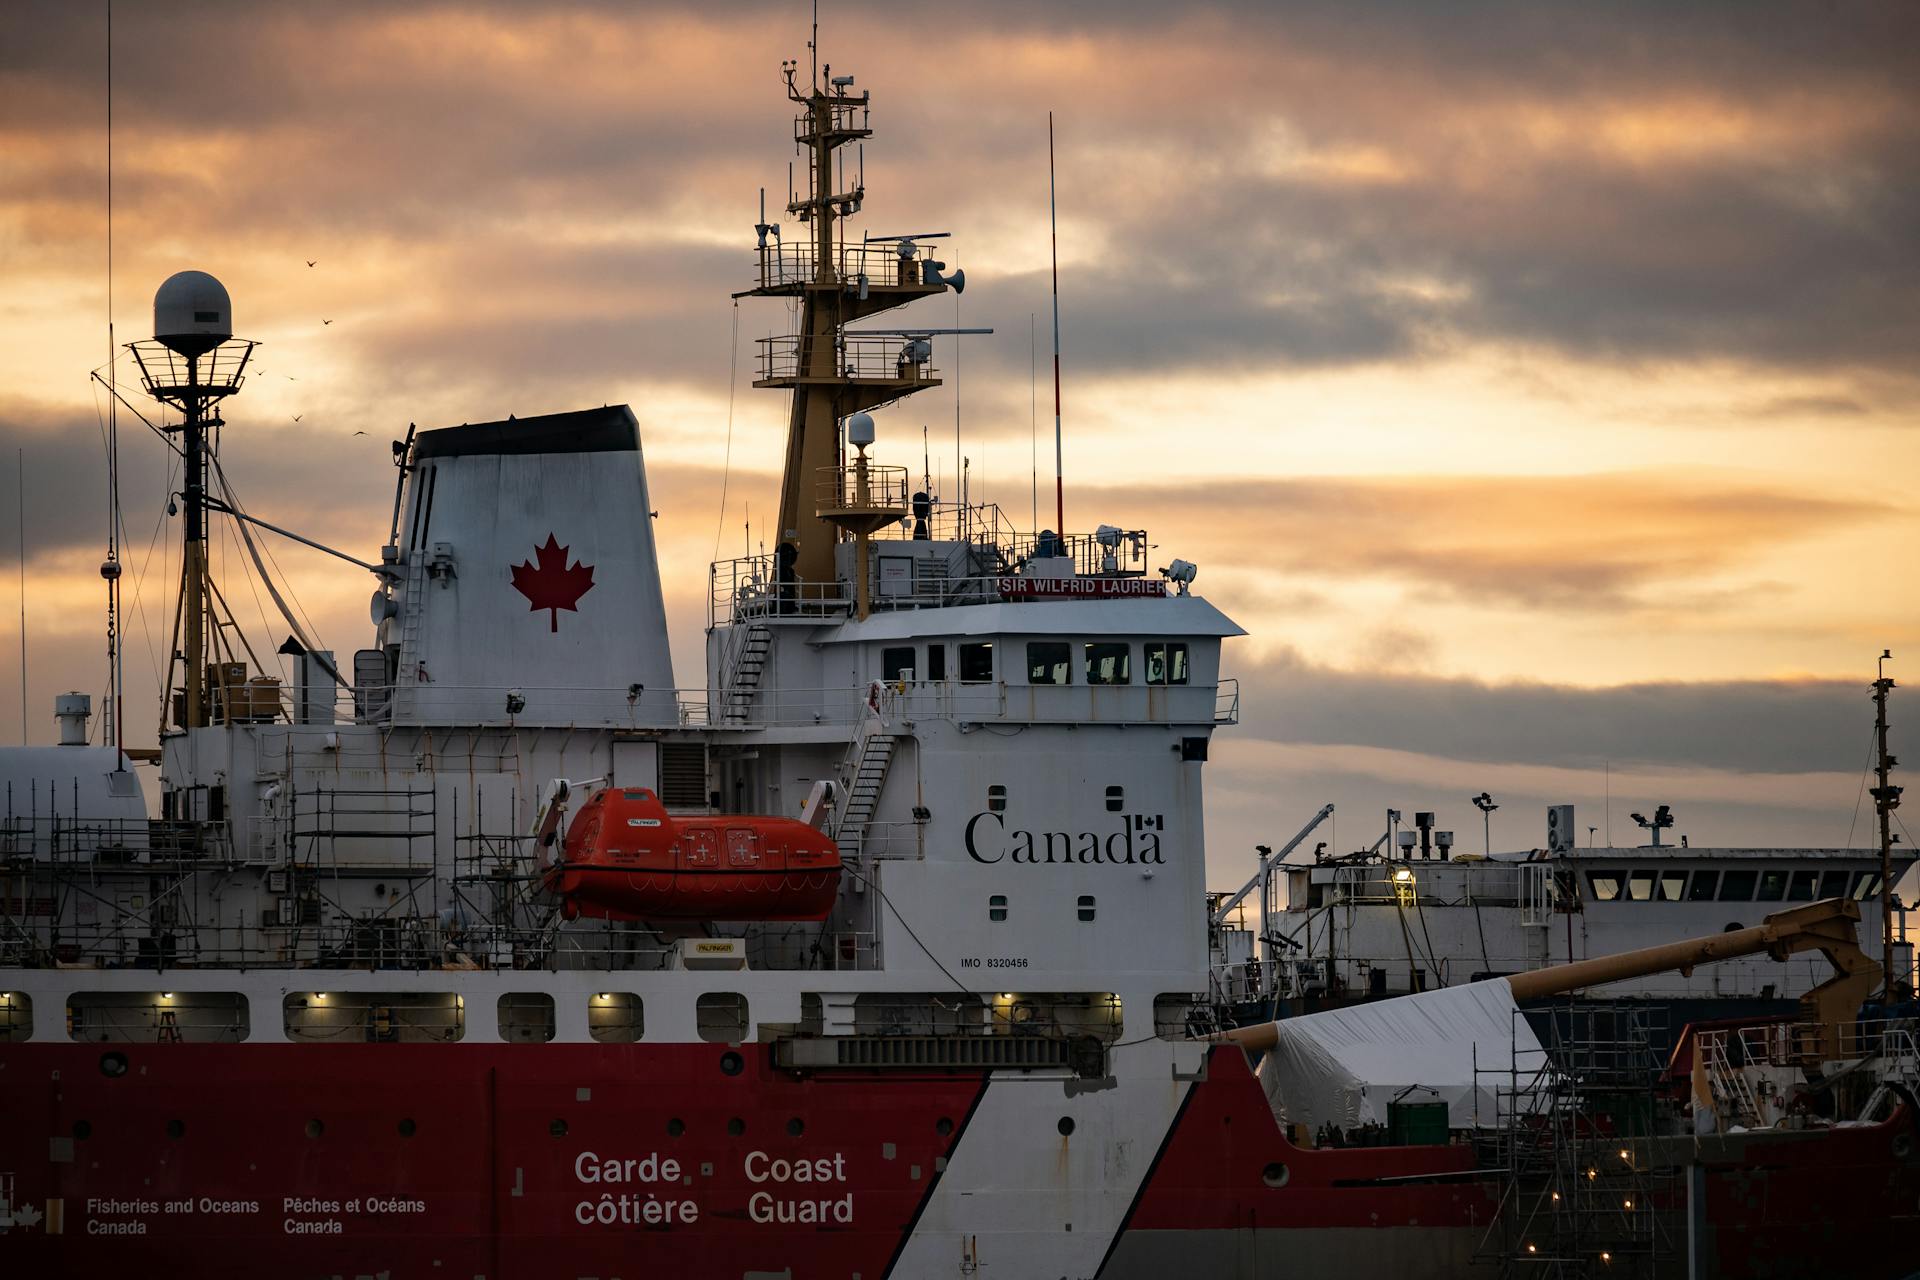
{"points": [[1537, 384]]}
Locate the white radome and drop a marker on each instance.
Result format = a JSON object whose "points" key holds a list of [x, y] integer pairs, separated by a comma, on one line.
{"points": [[192, 313]]}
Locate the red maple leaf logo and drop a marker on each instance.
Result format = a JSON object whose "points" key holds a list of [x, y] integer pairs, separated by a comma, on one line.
{"points": [[552, 586]]}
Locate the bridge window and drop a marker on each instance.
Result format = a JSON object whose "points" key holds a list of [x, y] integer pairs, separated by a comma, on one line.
{"points": [[16, 1016], [1737, 886], [1801, 887], [615, 1017], [1702, 887], [1640, 886], [1109, 662], [1049, 662], [526, 1017], [1866, 885], [1605, 885], [936, 662], [1086, 906], [721, 1017], [1773, 885], [1673, 885], [976, 662], [997, 907], [1167, 663], [157, 1017], [896, 663], [374, 1017], [1833, 884]]}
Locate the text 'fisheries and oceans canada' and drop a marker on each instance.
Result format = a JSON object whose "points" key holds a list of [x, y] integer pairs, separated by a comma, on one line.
{"points": [[299, 1215], [645, 1191]]}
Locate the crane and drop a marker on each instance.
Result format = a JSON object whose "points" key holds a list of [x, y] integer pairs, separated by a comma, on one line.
{"points": [[1830, 927]]}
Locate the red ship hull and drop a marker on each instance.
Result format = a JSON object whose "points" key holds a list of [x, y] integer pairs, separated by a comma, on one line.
{"points": [[674, 1160]]}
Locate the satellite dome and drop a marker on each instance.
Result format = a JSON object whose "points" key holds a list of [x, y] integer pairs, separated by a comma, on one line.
{"points": [[860, 430], [191, 313]]}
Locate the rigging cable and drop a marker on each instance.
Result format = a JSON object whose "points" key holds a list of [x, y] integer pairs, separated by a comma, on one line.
{"points": [[726, 468], [253, 550]]}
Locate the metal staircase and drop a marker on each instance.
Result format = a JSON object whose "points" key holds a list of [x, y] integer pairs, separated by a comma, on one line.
{"points": [[744, 675], [865, 771]]}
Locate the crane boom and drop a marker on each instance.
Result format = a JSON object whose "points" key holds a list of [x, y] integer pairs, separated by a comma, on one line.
{"points": [[1830, 927]]}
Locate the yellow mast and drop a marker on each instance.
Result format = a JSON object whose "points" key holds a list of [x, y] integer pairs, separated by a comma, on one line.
{"points": [[830, 376]]}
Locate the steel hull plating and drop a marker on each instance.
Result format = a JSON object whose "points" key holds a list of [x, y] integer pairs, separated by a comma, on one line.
{"points": [[670, 1160]]}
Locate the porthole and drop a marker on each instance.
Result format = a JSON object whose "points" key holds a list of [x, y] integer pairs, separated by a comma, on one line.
{"points": [[943, 1126], [82, 1129], [676, 1127], [1065, 1126], [1274, 1175], [113, 1065], [736, 1127], [796, 1127], [176, 1129], [558, 1128], [315, 1128], [731, 1064], [408, 1128]]}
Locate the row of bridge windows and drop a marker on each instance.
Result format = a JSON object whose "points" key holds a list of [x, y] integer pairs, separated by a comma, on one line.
{"points": [[1771, 884], [1104, 662]]}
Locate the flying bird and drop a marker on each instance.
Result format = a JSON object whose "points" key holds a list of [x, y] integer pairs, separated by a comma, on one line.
{"points": [[326, 322], [309, 261], [298, 416], [359, 433]]}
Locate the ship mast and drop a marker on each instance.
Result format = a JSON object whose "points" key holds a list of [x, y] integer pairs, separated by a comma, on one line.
{"points": [[833, 375], [192, 363], [1886, 798]]}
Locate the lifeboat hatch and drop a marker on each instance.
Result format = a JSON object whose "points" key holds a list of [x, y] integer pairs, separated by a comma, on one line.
{"points": [[626, 858]]}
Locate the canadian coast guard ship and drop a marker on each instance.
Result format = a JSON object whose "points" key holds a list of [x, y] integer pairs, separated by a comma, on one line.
{"points": [[495, 953]]}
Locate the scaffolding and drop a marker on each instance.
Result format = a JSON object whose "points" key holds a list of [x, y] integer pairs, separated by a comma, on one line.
{"points": [[1583, 1193]]}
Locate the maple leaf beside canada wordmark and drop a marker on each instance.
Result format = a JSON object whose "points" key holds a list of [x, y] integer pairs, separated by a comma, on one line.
{"points": [[552, 586]]}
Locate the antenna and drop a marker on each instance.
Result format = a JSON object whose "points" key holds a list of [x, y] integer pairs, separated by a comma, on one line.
{"points": [[112, 706], [1033, 411], [1886, 797], [20, 505], [1059, 474], [959, 462]]}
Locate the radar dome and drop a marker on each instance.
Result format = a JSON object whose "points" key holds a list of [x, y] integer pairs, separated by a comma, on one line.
{"points": [[860, 430], [192, 314]]}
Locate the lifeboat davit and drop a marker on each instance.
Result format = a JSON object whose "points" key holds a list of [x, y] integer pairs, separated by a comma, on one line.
{"points": [[626, 858]]}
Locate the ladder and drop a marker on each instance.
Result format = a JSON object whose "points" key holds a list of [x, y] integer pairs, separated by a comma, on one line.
{"points": [[744, 676], [168, 1031], [407, 675], [865, 772]]}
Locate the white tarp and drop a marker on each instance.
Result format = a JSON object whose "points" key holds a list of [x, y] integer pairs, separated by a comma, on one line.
{"points": [[1346, 1065]]}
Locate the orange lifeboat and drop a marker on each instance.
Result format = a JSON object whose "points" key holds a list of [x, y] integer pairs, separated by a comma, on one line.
{"points": [[625, 858]]}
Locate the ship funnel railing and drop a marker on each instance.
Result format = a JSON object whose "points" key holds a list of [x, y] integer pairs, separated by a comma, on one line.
{"points": [[887, 361], [874, 266], [879, 490]]}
